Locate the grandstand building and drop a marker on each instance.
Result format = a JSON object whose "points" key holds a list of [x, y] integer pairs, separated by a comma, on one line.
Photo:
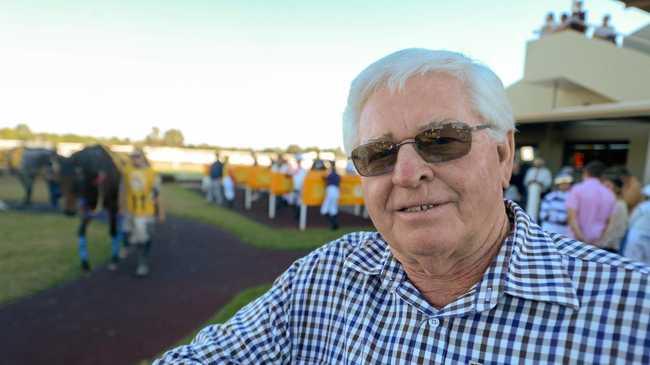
{"points": [[582, 99]]}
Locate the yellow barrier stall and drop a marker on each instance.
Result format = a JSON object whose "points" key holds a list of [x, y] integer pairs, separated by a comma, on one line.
{"points": [[239, 173], [281, 183], [259, 178], [313, 188], [351, 193]]}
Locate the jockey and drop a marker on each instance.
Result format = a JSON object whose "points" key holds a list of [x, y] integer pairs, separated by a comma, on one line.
{"points": [[140, 205]]}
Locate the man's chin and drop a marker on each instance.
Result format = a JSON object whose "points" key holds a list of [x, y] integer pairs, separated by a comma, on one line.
{"points": [[424, 241]]}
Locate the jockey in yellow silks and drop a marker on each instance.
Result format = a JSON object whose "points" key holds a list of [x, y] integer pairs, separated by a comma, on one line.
{"points": [[140, 206]]}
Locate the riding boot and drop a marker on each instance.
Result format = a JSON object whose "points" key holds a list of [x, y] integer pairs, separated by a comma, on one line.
{"points": [[333, 218], [83, 253], [143, 260]]}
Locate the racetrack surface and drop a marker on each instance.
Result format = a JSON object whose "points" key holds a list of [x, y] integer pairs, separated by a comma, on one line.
{"points": [[115, 318]]}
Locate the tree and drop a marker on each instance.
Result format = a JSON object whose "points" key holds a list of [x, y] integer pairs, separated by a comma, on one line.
{"points": [[173, 137], [153, 138], [293, 149], [23, 132]]}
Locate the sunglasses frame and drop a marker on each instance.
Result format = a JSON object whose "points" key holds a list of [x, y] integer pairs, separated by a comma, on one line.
{"points": [[465, 130]]}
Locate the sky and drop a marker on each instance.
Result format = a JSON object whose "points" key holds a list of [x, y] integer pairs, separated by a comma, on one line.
{"points": [[238, 73]]}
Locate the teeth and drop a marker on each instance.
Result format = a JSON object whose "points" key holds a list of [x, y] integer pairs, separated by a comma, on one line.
{"points": [[419, 208]]}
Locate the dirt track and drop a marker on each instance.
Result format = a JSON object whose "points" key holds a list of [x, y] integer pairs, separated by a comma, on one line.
{"points": [[115, 318]]}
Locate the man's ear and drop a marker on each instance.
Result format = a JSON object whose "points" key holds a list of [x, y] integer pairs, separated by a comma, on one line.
{"points": [[506, 154]]}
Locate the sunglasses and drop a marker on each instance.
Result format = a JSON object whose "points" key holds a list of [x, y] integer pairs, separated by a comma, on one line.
{"points": [[441, 143]]}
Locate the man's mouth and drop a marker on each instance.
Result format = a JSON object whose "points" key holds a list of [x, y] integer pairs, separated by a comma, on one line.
{"points": [[419, 208]]}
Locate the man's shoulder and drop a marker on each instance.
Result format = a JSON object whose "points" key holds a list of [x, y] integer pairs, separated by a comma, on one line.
{"points": [[586, 261], [352, 247]]}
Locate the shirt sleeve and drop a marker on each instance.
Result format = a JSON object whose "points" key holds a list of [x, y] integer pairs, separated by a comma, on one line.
{"points": [[634, 251], [572, 199], [257, 334]]}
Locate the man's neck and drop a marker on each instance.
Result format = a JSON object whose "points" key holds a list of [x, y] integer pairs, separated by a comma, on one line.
{"points": [[442, 281]]}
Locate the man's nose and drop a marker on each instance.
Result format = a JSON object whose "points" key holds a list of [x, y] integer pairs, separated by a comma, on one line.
{"points": [[410, 169]]}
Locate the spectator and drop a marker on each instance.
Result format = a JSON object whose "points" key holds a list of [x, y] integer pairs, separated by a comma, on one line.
{"points": [[549, 25], [538, 181], [590, 204], [298, 179], [563, 24], [631, 189], [605, 31], [228, 184], [553, 214], [578, 19], [454, 273], [216, 174], [617, 224], [638, 240], [318, 164], [330, 206]]}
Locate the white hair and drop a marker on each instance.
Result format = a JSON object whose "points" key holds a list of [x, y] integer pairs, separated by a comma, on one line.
{"points": [[486, 91]]}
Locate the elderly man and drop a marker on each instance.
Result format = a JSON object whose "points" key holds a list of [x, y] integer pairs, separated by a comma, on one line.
{"points": [[455, 274]]}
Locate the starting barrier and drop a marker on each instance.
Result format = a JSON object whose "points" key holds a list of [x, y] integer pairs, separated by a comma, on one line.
{"points": [[260, 178]]}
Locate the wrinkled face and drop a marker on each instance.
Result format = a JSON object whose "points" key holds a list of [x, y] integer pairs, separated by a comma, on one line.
{"points": [[421, 208]]}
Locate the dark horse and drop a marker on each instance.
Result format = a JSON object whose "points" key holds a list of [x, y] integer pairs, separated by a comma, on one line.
{"points": [[89, 176], [27, 163]]}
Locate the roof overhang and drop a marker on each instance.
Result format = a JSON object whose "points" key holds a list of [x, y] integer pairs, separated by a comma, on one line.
{"points": [[628, 109], [639, 4]]}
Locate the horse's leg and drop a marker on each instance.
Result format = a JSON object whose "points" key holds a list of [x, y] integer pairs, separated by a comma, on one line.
{"points": [[115, 238], [83, 243], [27, 183]]}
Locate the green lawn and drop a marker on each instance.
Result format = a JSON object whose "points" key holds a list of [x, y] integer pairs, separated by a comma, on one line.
{"points": [[185, 203], [10, 189], [39, 250]]}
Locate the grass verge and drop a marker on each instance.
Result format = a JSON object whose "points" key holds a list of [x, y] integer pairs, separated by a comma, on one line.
{"points": [[38, 251], [187, 204]]}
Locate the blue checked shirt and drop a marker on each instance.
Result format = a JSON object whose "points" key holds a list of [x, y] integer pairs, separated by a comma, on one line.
{"points": [[545, 299]]}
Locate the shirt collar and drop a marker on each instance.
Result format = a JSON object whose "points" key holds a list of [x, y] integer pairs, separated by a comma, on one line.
{"points": [[528, 265], [537, 269]]}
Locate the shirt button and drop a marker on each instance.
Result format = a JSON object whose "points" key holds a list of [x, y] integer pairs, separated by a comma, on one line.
{"points": [[434, 322]]}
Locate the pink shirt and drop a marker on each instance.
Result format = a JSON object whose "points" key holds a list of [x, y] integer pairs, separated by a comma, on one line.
{"points": [[593, 203]]}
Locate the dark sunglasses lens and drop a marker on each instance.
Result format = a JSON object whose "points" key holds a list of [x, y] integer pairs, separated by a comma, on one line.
{"points": [[374, 158], [445, 143]]}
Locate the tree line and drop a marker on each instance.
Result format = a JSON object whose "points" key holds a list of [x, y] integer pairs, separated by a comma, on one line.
{"points": [[156, 137]]}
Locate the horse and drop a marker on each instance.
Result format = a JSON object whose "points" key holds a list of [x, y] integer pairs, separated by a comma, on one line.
{"points": [[92, 176], [27, 163]]}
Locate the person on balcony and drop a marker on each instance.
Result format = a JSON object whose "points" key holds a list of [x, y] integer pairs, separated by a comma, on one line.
{"points": [[549, 25], [563, 24], [578, 20], [605, 31]]}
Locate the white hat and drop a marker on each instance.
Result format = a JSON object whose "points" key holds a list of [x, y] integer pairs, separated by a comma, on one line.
{"points": [[563, 179]]}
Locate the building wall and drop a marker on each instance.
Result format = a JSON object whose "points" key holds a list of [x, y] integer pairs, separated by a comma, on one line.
{"points": [[550, 139], [527, 97]]}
